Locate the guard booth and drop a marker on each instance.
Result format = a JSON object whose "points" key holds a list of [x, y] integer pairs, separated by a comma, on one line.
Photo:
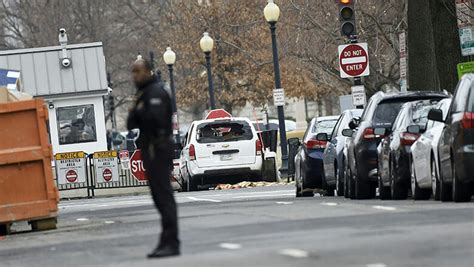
{"points": [[72, 79]]}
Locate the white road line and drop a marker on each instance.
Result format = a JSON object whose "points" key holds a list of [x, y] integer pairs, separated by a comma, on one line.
{"points": [[204, 199], [329, 204], [230, 246], [109, 222], [264, 196], [384, 208], [284, 203], [295, 253], [376, 265], [82, 219]]}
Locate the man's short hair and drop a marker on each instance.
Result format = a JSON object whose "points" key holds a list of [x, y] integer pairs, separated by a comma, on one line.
{"points": [[145, 63]]}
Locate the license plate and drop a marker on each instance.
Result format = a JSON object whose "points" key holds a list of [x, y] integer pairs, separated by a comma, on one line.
{"points": [[226, 157]]}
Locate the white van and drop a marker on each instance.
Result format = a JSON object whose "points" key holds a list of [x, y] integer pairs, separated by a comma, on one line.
{"points": [[222, 150]]}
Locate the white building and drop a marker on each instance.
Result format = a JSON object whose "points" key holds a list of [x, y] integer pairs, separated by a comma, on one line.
{"points": [[72, 79]]}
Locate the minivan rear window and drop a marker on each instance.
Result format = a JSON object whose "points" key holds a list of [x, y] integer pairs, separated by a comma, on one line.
{"points": [[216, 132]]}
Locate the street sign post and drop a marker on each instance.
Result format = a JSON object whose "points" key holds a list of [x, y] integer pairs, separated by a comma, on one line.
{"points": [[70, 167], [137, 168], [106, 166], [403, 62], [354, 60], [279, 97], [358, 96]]}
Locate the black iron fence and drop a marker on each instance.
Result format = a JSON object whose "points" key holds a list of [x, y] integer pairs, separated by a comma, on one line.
{"points": [[126, 180]]}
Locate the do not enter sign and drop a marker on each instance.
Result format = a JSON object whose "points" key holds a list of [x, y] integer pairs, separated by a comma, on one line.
{"points": [[354, 60]]}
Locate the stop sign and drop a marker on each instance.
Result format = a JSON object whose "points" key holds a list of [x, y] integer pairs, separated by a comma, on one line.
{"points": [[137, 168], [354, 60], [218, 114]]}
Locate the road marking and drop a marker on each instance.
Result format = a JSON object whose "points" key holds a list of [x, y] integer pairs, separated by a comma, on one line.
{"points": [[109, 222], [230, 246], [263, 196], [82, 219], [284, 203], [295, 253], [384, 208], [376, 265], [329, 204], [204, 199]]}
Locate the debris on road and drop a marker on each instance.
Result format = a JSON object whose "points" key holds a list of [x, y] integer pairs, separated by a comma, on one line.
{"points": [[247, 185]]}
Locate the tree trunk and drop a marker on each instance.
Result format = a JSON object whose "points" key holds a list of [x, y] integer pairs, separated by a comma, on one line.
{"points": [[422, 65], [446, 39]]}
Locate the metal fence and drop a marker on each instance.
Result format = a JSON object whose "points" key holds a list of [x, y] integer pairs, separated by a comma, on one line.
{"points": [[126, 180]]}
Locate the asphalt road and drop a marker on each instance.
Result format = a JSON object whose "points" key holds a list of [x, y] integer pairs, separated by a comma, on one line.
{"points": [[253, 227]]}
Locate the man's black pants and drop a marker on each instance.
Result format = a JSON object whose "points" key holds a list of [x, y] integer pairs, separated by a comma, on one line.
{"points": [[158, 169]]}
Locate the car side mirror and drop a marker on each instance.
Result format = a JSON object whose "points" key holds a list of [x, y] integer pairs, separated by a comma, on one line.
{"points": [[322, 137], [414, 129], [436, 115], [354, 123], [380, 132], [347, 132]]}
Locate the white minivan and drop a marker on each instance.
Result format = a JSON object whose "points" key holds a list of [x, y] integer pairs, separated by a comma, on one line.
{"points": [[222, 150]]}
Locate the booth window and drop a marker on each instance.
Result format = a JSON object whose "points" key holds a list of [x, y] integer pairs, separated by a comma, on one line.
{"points": [[76, 124]]}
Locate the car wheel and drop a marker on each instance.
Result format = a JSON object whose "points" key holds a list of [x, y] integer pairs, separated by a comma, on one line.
{"points": [[339, 182], [329, 189], [434, 181], [191, 185], [384, 191], [461, 192], [416, 191], [445, 191], [363, 190], [397, 190]]}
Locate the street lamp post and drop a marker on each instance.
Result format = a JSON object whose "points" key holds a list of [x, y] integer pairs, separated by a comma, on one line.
{"points": [[170, 58], [272, 14], [207, 44]]}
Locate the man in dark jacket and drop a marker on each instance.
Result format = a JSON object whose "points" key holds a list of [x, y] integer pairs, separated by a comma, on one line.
{"points": [[152, 114]]}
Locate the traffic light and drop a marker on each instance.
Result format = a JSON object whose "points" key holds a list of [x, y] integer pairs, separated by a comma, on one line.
{"points": [[347, 17]]}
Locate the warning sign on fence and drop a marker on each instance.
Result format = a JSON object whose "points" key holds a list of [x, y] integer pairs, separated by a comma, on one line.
{"points": [[70, 167], [106, 166]]}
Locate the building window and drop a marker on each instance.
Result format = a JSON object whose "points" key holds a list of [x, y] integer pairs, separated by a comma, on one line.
{"points": [[76, 124]]}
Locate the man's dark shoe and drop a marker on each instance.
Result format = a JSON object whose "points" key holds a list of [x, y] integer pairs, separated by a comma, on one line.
{"points": [[162, 252]]}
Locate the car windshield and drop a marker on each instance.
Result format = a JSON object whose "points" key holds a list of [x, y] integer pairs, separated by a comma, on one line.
{"points": [[215, 132], [325, 126], [386, 113]]}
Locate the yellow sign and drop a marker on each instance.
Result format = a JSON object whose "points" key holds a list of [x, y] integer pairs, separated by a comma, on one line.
{"points": [[69, 155], [105, 154]]}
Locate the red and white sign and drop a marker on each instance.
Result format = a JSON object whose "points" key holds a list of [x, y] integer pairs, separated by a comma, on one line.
{"points": [[107, 175], [124, 157], [218, 114], [106, 166], [71, 176], [137, 168], [354, 60]]}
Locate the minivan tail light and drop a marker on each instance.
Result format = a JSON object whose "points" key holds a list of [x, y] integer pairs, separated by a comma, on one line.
{"points": [[407, 139], [369, 133], [315, 144], [258, 147], [192, 152], [468, 120]]}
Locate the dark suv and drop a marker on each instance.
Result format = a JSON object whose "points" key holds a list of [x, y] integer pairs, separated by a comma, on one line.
{"points": [[456, 145], [380, 112]]}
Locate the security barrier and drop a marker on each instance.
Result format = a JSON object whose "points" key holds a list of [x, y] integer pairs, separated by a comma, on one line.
{"points": [[101, 170]]}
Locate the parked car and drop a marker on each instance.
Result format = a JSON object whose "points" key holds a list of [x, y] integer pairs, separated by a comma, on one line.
{"points": [[335, 154], [381, 111], [309, 158], [456, 145], [220, 150], [394, 149], [424, 154]]}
